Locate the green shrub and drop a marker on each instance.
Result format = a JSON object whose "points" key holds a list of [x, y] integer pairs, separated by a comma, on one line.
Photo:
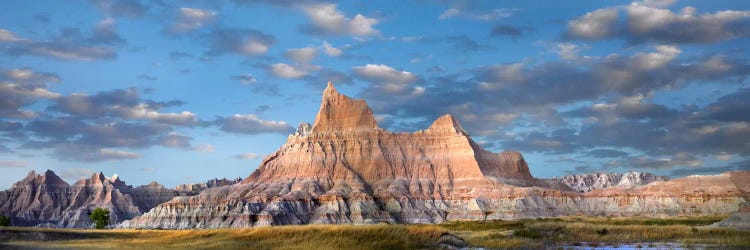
{"points": [[100, 216], [602, 232], [4, 221]]}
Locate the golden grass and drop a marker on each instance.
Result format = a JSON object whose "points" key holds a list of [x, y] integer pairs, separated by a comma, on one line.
{"points": [[282, 237], [487, 234]]}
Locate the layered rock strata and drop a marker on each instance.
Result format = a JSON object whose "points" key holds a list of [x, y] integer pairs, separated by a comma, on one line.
{"points": [[345, 169], [588, 182], [46, 200]]}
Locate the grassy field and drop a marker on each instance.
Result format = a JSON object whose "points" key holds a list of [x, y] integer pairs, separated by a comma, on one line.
{"points": [[570, 231]]}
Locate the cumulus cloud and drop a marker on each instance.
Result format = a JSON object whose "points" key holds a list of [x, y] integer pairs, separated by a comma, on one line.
{"points": [[92, 127], [594, 25], [251, 124], [302, 64], [386, 79], [330, 50], [239, 41], [301, 55], [652, 23], [22, 87], [327, 19], [175, 140], [190, 19], [123, 103], [284, 70], [587, 105], [69, 44]]}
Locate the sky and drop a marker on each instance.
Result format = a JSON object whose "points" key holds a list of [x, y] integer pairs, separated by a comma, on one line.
{"points": [[186, 91]]}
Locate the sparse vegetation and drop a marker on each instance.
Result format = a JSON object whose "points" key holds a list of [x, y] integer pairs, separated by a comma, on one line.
{"points": [[100, 217], [536, 233]]}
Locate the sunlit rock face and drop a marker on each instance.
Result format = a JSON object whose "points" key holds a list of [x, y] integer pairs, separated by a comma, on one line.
{"points": [[346, 169], [588, 182], [46, 200]]}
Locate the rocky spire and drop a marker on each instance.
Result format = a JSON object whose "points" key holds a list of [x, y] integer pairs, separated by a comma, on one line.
{"points": [[341, 113], [446, 122]]}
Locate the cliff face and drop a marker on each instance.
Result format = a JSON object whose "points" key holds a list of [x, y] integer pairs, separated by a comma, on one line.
{"points": [[46, 200], [588, 182], [345, 169]]}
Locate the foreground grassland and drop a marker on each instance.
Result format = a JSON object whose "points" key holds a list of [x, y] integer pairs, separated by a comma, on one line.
{"points": [[568, 231]]}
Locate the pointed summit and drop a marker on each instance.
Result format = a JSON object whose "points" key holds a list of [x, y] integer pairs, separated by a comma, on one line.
{"points": [[446, 122], [341, 113]]}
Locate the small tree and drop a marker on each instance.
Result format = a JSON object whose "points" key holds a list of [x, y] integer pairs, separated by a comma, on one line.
{"points": [[100, 216], [4, 221]]}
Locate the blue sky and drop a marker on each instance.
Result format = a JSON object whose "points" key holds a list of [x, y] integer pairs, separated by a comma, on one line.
{"points": [[185, 91]]}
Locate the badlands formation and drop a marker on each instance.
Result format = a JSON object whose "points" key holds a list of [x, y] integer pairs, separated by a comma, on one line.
{"points": [[346, 169], [45, 200]]}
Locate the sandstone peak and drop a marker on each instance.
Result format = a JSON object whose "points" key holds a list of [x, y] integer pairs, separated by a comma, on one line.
{"points": [[446, 122], [341, 113]]}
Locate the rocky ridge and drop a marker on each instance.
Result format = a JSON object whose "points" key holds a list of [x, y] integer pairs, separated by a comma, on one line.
{"points": [[588, 182], [48, 201], [346, 169]]}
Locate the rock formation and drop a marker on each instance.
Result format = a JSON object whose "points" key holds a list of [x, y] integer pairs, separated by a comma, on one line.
{"points": [[46, 200], [345, 169], [196, 188], [588, 182]]}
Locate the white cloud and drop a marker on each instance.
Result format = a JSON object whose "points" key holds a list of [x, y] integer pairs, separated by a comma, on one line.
{"points": [[251, 124], [252, 47], [380, 72], [143, 111], [328, 20], [594, 25], [248, 156], [330, 50], [284, 70], [387, 80], [7, 36], [663, 55], [301, 55], [115, 154], [189, 19], [651, 22], [204, 148], [478, 14], [567, 51]]}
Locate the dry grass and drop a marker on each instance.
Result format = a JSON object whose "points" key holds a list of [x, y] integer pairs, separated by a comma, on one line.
{"points": [[283, 237], [490, 234], [611, 231]]}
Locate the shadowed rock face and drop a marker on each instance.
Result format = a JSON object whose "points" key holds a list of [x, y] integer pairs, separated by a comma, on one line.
{"points": [[46, 200], [345, 169]]}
